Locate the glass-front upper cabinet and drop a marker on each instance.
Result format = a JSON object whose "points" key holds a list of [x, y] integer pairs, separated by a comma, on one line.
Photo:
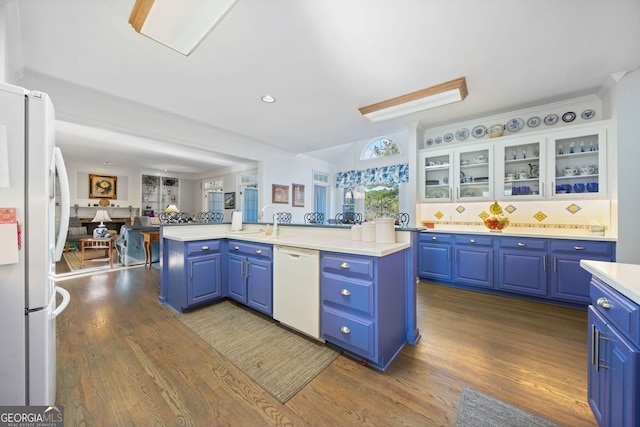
{"points": [[577, 162], [474, 177], [520, 172], [436, 175]]}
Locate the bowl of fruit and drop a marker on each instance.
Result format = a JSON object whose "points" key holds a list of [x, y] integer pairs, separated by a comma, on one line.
{"points": [[497, 222]]}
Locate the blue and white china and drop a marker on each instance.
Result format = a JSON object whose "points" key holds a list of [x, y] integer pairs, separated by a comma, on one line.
{"points": [[551, 119], [479, 131], [448, 137], [429, 141], [534, 121], [515, 124], [588, 114], [462, 134], [438, 139], [568, 117]]}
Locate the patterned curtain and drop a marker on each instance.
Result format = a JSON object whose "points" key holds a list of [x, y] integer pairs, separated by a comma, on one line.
{"points": [[385, 175]]}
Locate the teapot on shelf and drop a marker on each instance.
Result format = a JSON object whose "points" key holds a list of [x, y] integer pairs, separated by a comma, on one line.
{"points": [[534, 171]]}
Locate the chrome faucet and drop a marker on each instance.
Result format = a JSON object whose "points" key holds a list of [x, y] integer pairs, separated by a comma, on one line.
{"points": [[275, 218]]}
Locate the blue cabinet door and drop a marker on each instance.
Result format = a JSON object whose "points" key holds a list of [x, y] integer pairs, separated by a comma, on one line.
{"points": [[596, 389], [434, 261], [569, 281], [204, 275], [473, 261], [259, 286], [522, 271], [237, 281]]}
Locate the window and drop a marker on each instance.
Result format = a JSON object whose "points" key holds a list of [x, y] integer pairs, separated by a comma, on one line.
{"points": [[320, 184], [212, 195], [381, 201], [380, 147]]}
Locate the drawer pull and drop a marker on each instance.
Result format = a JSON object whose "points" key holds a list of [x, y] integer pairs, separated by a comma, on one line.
{"points": [[258, 251], [579, 248], [345, 292], [236, 248], [434, 238], [522, 245], [345, 330], [205, 248], [603, 302], [345, 265], [472, 241]]}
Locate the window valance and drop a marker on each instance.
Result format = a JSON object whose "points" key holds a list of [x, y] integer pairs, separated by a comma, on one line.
{"points": [[385, 175]]}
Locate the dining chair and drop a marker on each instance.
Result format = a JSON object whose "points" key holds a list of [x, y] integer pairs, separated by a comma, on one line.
{"points": [[283, 217], [314, 218], [215, 217]]}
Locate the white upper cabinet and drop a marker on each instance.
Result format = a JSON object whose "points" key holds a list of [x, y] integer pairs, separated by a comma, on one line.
{"points": [[569, 163]]}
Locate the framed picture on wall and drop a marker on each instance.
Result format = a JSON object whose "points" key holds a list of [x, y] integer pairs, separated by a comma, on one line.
{"points": [[279, 193], [230, 200], [102, 186], [298, 195]]}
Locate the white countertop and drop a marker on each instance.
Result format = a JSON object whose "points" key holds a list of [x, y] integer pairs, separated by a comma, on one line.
{"points": [[624, 278], [549, 233], [338, 241]]}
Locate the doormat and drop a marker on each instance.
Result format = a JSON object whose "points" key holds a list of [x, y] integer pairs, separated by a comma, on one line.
{"points": [[279, 360], [476, 409]]}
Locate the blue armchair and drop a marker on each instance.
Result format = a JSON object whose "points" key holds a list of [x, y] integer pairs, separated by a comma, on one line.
{"points": [[130, 245]]}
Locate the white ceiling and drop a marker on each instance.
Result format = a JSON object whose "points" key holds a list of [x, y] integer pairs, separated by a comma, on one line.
{"points": [[321, 60]]}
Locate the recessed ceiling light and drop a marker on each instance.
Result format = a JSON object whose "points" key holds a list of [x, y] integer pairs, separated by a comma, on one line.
{"points": [[107, 163], [268, 99]]}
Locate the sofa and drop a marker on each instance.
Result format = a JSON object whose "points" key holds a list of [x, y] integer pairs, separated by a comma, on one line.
{"points": [[130, 243]]}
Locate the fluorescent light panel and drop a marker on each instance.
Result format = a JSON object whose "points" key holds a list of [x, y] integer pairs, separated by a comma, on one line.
{"points": [[435, 96], [178, 24]]}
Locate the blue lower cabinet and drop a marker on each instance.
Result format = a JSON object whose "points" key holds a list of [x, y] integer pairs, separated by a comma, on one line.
{"points": [[568, 280], [250, 275], [523, 266], [363, 308], [434, 256], [194, 273], [473, 261]]}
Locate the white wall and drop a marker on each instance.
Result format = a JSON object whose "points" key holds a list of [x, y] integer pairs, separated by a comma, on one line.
{"points": [[628, 111]]}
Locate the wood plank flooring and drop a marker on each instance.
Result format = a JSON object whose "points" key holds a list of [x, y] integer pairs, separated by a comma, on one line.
{"points": [[124, 360]]}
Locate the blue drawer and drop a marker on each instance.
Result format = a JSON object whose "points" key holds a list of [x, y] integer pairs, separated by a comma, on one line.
{"points": [[348, 293], [250, 249], [523, 243], [349, 332], [347, 265], [425, 236], [203, 247], [474, 240], [623, 312], [582, 247]]}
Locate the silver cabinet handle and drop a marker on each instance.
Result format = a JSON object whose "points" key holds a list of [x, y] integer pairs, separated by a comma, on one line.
{"points": [[544, 263], [205, 248], [596, 348], [246, 269], [434, 238], [522, 245], [448, 253], [345, 330], [236, 248], [579, 248], [190, 269], [593, 344], [472, 241], [344, 265], [258, 251], [603, 302], [345, 292]]}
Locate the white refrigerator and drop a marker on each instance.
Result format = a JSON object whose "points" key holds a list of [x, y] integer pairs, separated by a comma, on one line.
{"points": [[29, 162]]}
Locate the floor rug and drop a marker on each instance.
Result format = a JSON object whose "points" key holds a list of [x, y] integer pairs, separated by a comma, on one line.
{"points": [[478, 410], [279, 360]]}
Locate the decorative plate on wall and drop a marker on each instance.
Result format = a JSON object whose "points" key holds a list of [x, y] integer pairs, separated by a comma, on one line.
{"points": [[438, 139], [462, 134], [551, 119], [514, 125], [568, 117], [479, 131], [533, 121], [588, 114], [429, 141], [448, 137]]}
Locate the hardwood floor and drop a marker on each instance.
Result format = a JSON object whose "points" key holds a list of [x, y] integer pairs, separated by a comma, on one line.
{"points": [[123, 359]]}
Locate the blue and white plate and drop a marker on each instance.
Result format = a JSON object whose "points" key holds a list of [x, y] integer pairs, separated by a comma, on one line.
{"points": [[534, 121], [438, 139], [462, 134], [515, 124], [588, 114], [479, 131], [429, 141], [551, 119], [448, 137]]}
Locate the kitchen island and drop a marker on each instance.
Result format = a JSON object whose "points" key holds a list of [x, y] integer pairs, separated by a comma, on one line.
{"points": [[366, 300]]}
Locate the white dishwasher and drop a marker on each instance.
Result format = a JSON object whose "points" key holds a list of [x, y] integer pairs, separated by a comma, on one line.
{"points": [[296, 289]]}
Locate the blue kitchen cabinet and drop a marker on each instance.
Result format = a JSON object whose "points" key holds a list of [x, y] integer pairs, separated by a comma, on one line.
{"points": [[434, 256], [522, 265], [614, 357], [250, 275], [194, 272], [363, 309], [568, 280], [473, 260]]}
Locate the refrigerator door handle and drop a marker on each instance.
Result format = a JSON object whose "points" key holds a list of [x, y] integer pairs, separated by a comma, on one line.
{"points": [[66, 299], [65, 209]]}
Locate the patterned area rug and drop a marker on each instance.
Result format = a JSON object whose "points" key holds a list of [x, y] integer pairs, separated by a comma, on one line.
{"points": [[476, 409], [279, 360]]}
